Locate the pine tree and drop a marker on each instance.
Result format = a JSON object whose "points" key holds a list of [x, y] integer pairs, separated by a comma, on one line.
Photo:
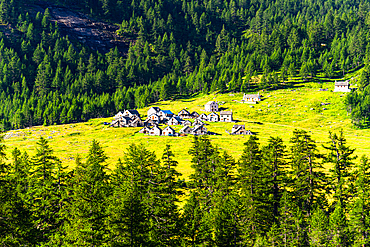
{"points": [[318, 235], [359, 223], [191, 221], [338, 228], [340, 157], [87, 208], [252, 181], [128, 220], [166, 215], [43, 192], [308, 182]]}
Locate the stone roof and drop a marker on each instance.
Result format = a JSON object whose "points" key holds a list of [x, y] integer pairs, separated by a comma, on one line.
{"points": [[342, 83], [251, 96], [210, 102], [226, 113]]}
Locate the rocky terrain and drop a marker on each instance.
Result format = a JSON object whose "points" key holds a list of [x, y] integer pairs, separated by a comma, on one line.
{"points": [[95, 34]]}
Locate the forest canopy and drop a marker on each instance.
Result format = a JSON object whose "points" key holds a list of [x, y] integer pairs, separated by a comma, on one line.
{"points": [[274, 195], [178, 48]]}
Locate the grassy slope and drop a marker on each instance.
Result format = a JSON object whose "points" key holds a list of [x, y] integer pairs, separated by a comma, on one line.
{"points": [[278, 114]]}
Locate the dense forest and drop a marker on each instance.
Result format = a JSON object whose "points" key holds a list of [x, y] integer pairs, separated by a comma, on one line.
{"points": [[178, 48], [273, 195]]}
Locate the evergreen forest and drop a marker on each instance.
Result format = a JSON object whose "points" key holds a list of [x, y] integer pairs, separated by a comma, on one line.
{"points": [[274, 195], [177, 48]]}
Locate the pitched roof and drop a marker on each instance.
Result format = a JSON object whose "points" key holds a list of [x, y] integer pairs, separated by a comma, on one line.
{"points": [[194, 113], [226, 113], [155, 108], [169, 128], [134, 112], [342, 83], [167, 112], [184, 128], [213, 113], [184, 111], [237, 126], [251, 96], [210, 102]]}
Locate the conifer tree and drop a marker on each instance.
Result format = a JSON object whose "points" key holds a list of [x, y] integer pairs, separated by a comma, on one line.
{"points": [[87, 208], [43, 193], [359, 222], [340, 157], [307, 180], [318, 235], [338, 227], [128, 221], [256, 212]]}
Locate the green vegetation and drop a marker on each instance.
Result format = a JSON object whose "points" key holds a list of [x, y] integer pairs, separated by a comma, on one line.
{"points": [[178, 48]]}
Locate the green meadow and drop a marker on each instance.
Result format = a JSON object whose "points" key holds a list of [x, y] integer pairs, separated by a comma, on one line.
{"points": [[278, 114]]}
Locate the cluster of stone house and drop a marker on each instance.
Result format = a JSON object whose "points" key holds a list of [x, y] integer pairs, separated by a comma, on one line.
{"points": [[128, 118], [169, 131], [225, 116]]}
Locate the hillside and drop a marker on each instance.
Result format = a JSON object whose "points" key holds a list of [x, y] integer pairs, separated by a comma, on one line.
{"points": [[280, 112]]}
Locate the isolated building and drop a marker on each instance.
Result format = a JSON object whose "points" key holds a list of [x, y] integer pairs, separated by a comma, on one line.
{"points": [[342, 86], [251, 98], [240, 130]]}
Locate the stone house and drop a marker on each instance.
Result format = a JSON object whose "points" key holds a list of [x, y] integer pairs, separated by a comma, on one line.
{"points": [[168, 131], [165, 114], [197, 122], [203, 117], [145, 130], [342, 86], [174, 121], [118, 115], [153, 110], [186, 130], [137, 122], [226, 116], [213, 117], [155, 131], [131, 113], [211, 106], [251, 98], [194, 114], [186, 123], [154, 117], [183, 114], [240, 130], [121, 122], [199, 130]]}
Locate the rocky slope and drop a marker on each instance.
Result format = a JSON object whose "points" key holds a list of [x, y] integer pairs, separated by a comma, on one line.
{"points": [[95, 34]]}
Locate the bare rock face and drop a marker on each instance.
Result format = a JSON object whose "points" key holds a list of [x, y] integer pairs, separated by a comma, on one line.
{"points": [[97, 35]]}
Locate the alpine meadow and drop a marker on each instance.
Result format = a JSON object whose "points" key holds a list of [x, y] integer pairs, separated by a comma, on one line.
{"points": [[185, 123]]}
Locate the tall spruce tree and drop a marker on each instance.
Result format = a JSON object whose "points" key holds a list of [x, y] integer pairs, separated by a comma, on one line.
{"points": [[43, 192], [253, 176], [87, 207], [359, 223], [340, 157], [307, 178]]}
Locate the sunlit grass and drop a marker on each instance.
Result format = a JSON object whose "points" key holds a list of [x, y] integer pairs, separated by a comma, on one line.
{"points": [[279, 113]]}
